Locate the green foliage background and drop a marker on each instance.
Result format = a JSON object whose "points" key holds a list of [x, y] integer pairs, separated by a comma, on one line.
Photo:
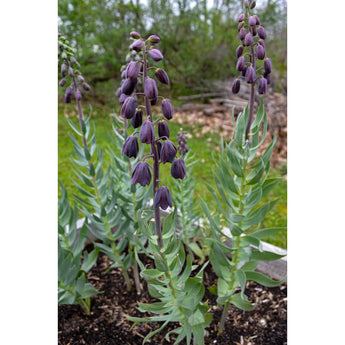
{"points": [[198, 38]]}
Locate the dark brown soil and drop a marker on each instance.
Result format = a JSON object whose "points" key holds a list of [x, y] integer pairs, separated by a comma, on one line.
{"points": [[107, 324]]}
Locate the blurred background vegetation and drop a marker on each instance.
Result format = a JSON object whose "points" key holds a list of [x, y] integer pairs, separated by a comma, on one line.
{"points": [[198, 41]]}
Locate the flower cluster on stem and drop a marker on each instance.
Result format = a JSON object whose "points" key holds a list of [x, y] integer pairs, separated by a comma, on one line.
{"points": [[154, 132], [252, 50]]}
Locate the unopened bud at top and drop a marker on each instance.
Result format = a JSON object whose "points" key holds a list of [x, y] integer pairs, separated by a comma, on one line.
{"points": [[241, 17], [154, 39], [246, 3], [135, 35], [155, 54], [137, 45], [253, 4]]}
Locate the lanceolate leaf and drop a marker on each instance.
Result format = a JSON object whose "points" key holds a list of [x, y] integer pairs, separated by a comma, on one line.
{"points": [[263, 279], [241, 301]]}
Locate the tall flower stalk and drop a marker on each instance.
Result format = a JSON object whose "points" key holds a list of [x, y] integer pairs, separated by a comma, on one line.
{"points": [[252, 50]]}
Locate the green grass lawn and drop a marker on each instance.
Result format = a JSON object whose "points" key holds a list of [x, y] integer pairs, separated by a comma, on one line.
{"points": [[202, 147]]}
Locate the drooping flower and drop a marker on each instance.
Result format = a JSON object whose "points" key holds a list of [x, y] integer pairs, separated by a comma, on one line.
{"points": [[178, 169], [163, 129], [147, 133], [150, 88], [162, 76], [129, 107], [155, 54], [168, 151], [141, 174], [236, 86], [167, 109], [130, 147], [162, 198], [137, 119]]}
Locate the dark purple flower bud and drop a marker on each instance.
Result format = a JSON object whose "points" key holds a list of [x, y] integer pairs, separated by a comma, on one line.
{"points": [[250, 75], [267, 76], [257, 20], [128, 86], [239, 51], [154, 39], [248, 39], [268, 65], [137, 45], [178, 169], [252, 21], [262, 32], [68, 95], [135, 34], [81, 78], [162, 198], [253, 30], [128, 108], [122, 98], [162, 76], [132, 70], [141, 174], [260, 52], [167, 109], [118, 92], [63, 70], [150, 88], [240, 63], [78, 95], [137, 119], [86, 87], [155, 54], [241, 17], [62, 82], [236, 86], [163, 129], [130, 147], [243, 72], [253, 4], [262, 86], [168, 152], [242, 34], [147, 133]]}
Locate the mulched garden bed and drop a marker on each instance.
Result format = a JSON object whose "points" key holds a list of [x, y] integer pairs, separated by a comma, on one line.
{"points": [[107, 324]]}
